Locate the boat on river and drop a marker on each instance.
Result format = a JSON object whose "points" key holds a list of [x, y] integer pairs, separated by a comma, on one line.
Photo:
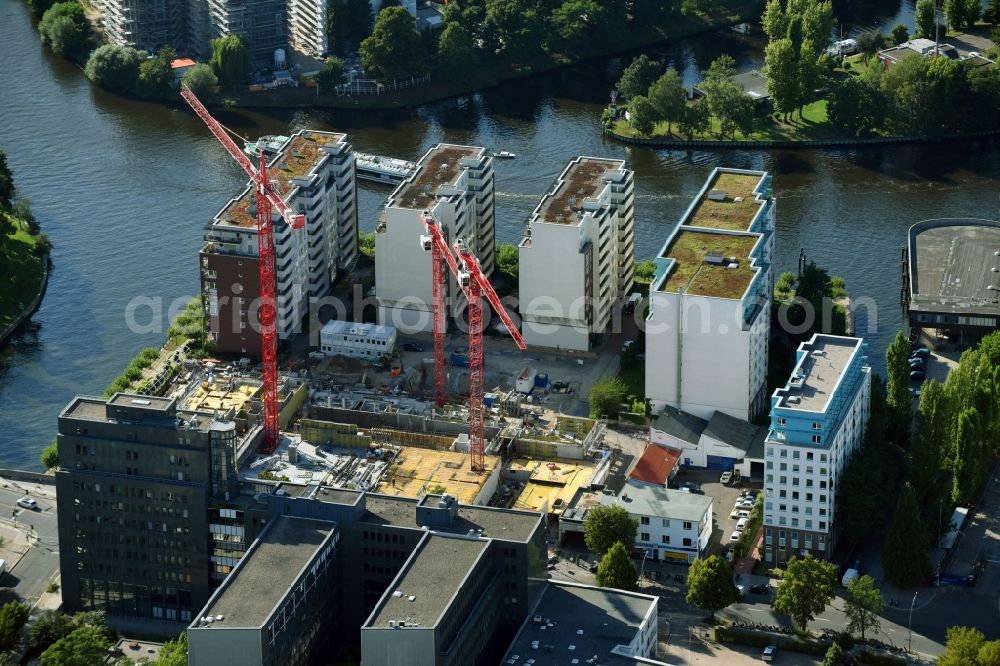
{"points": [[505, 155], [382, 169], [270, 144]]}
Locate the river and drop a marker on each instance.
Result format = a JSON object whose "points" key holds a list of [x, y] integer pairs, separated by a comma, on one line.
{"points": [[124, 188]]}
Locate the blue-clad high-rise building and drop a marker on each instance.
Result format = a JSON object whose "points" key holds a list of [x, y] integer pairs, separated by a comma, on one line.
{"points": [[818, 421]]}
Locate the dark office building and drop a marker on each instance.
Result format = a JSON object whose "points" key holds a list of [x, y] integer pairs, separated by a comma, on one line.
{"points": [[135, 481]]}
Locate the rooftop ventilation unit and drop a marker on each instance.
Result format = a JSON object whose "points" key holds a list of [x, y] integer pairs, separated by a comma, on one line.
{"points": [[713, 259], [716, 195], [819, 353], [793, 400]]}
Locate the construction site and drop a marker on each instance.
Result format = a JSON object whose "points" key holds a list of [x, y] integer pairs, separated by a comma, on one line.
{"points": [[431, 422]]}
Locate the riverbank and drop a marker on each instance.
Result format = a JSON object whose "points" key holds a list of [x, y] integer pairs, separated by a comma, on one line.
{"points": [[688, 25], [27, 269]]}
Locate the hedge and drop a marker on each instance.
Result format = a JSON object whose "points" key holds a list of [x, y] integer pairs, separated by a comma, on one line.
{"points": [[880, 659], [731, 635]]}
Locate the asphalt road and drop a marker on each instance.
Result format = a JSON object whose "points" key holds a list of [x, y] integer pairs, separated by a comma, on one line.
{"points": [[30, 576]]}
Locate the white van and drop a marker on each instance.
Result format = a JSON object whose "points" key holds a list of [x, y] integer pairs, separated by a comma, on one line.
{"points": [[741, 524]]}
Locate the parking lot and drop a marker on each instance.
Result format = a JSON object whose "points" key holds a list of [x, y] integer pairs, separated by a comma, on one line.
{"points": [[725, 498]]}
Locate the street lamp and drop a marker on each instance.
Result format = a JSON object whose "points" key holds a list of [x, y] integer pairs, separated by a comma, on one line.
{"points": [[909, 641]]}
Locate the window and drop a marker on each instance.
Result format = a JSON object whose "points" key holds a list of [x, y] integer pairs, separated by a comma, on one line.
{"points": [[784, 453], [644, 520], [666, 522], [782, 421], [809, 497], [783, 467], [687, 542], [770, 478], [822, 526], [782, 507], [795, 495], [809, 525], [809, 470], [665, 539], [809, 455], [782, 493], [822, 457], [817, 439], [817, 425], [795, 522], [770, 464], [644, 536], [795, 455], [687, 525], [795, 468]]}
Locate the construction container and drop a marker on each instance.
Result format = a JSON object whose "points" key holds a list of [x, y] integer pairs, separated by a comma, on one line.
{"points": [[542, 380], [525, 381]]}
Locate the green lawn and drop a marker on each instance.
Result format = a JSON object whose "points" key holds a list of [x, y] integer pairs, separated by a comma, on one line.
{"points": [[21, 275]]}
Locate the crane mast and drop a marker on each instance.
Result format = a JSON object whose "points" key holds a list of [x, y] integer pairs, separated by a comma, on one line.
{"points": [[267, 200]]}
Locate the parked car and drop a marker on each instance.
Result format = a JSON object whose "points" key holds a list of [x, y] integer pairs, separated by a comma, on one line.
{"points": [[412, 347], [915, 392], [917, 375], [769, 652], [916, 360], [741, 524], [920, 352], [628, 345], [745, 504], [752, 494], [760, 589], [726, 477], [742, 513], [734, 537], [692, 487], [27, 503]]}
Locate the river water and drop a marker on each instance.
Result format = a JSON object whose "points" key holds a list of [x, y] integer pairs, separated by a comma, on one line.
{"points": [[124, 188]]}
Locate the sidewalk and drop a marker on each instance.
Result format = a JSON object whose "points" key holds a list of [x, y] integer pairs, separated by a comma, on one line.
{"points": [[46, 489]]}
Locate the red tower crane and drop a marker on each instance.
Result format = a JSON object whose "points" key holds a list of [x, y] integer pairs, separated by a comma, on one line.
{"points": [[476, 285], [441, 256], [267, 198]]}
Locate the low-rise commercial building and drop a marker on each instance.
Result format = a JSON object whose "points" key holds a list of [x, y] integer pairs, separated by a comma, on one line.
{"points": [[721, 443], [656, 466], [577, 257], [818, 421], [454, 185], [348, 338], [315, 174], [674, 526], [580, 624], [710, 301]]}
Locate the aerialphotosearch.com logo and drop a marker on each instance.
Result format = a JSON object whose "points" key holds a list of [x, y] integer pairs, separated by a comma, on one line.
{"points": [[664, 313]]}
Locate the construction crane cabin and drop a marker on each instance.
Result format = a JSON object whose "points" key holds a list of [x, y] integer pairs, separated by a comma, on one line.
{"points": [[267, 199]]}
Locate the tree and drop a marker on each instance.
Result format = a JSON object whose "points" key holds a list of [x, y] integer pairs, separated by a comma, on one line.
{"points": [[721, 68], [508, 259], [989, 653], [48, 627], [606, 396], [962, 13], [115, 67], [856, 107], [605, 526], [710, 584], [7, 188], [331, 75], [13, 616], [834, 655], [82, 647], [577, 21], [904, 556], [348, 22], [929, 451], [230, 60], [992, 12], [898, 396], [642, 115], [900, 34], [696, 119], [806, 588], [925, 19], [50, 455], [65, 30], [616, 569], [156, 77], [871, 42], [394, 50], [201, 80], [456, 55], [782, 75], [863, 604], [967, 472], [42, 245], [775, 20], [962, 646], [641, 73], [174, 653], [669, 97], [39, 7]]}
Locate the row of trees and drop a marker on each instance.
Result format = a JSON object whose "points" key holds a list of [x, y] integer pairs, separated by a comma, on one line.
{"points": [[798, 34], [129, 71], [917, 96]]}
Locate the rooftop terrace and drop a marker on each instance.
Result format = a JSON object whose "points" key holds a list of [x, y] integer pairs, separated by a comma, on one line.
{"points": [[690, 248], [266, 573], [820, 372], [441, 165], [297, 159], [431, 578], [728, 202], [583, 178]]}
